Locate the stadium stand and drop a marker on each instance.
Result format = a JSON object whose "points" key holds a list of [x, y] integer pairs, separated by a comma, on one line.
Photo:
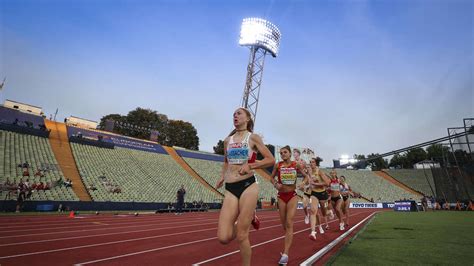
{"points": [[371, 186], [419, 180], [15, 149], [141, 176]]}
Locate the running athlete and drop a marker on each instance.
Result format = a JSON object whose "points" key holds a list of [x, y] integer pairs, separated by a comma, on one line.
{"points": [[318, 182], [306, 197], [346, 192], [304, 166], [240, 197], [287, 172], [336, 197]]}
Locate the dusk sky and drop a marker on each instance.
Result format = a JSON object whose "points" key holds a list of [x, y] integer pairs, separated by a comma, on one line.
{"points": [[351, 76]]}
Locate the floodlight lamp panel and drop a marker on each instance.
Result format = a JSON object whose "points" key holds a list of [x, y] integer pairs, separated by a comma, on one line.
{"points": [[261, 34]]}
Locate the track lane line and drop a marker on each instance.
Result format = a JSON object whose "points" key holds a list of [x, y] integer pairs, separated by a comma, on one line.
{"points": [[117, 242], [321, 252], [262, 243]]}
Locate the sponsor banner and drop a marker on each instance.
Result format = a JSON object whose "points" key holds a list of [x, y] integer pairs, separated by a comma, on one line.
{"points": [[388, 205], [356, 205], [120, 141], [403, 206]]}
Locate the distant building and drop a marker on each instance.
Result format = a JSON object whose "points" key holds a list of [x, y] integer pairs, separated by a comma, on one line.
{"points": [[81, 122], [23, 107], [426, 164]]}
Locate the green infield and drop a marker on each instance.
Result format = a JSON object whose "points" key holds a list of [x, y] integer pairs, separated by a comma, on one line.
{"points": [[435, 238]]}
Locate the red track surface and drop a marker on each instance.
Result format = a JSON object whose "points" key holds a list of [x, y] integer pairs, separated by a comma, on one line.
{"points": [[161, 239]]}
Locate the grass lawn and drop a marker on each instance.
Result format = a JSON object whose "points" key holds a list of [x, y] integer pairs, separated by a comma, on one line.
{"points": [[443, 237]]}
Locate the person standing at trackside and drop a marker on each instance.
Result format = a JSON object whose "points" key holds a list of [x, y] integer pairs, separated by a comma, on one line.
{"points": [[241, 187], [287, 172], [180, 200]]}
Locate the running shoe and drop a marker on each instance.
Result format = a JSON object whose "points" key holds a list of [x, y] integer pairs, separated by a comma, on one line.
{"points": [[321, 230], [255, 222], [306, 219], [283, 259], [312, 236], [341, 226], [327, 227]]}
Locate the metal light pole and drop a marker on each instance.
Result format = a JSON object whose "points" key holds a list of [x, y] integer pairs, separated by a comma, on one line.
{"points": [[261, 37]]}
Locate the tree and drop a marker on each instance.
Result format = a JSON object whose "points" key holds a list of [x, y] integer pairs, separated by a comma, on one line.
{"points": [[145, 118], [435, 152], [399, 161], [219, 148], [376, 164], [138, 123], [415, 155], [115, 117], [182, 134]]}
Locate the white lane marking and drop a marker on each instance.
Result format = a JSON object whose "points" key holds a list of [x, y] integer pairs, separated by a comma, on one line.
{"points": [[336, 241]]}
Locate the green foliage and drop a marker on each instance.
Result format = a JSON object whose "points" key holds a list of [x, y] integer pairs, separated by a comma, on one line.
{"points": [[182, 134], [219, 148], [435, 152], [171, 132], [407, 160], [416, 155], [376, 164]]}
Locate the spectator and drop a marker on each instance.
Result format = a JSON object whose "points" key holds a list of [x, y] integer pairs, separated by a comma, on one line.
{"points": [[92, 187], [26, 172], [68, 183], [39, 173], [102, 176], [180, 200], [117, 189], [21, 195], [424, 203], [40, 186]]}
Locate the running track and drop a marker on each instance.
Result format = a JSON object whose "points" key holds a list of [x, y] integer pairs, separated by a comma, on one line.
{"points": [[155, 239]]}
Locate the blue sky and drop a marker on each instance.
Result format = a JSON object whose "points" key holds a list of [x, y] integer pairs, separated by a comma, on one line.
{"points": [[351, 76]]}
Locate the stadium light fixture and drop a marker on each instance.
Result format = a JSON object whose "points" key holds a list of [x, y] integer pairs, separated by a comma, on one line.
{"points": [[260, 33], [262, 37]]}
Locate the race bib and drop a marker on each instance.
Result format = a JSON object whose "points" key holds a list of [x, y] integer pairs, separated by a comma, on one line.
{"points": [[288, 176], [237, 153], [335, 187]]}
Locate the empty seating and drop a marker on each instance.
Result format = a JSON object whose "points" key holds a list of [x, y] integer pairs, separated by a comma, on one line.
{"points": [[16, 148], [142, 176], [419, 180]]}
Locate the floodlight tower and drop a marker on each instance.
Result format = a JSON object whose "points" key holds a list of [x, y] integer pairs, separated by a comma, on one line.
{"points": [[261, 37]]}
